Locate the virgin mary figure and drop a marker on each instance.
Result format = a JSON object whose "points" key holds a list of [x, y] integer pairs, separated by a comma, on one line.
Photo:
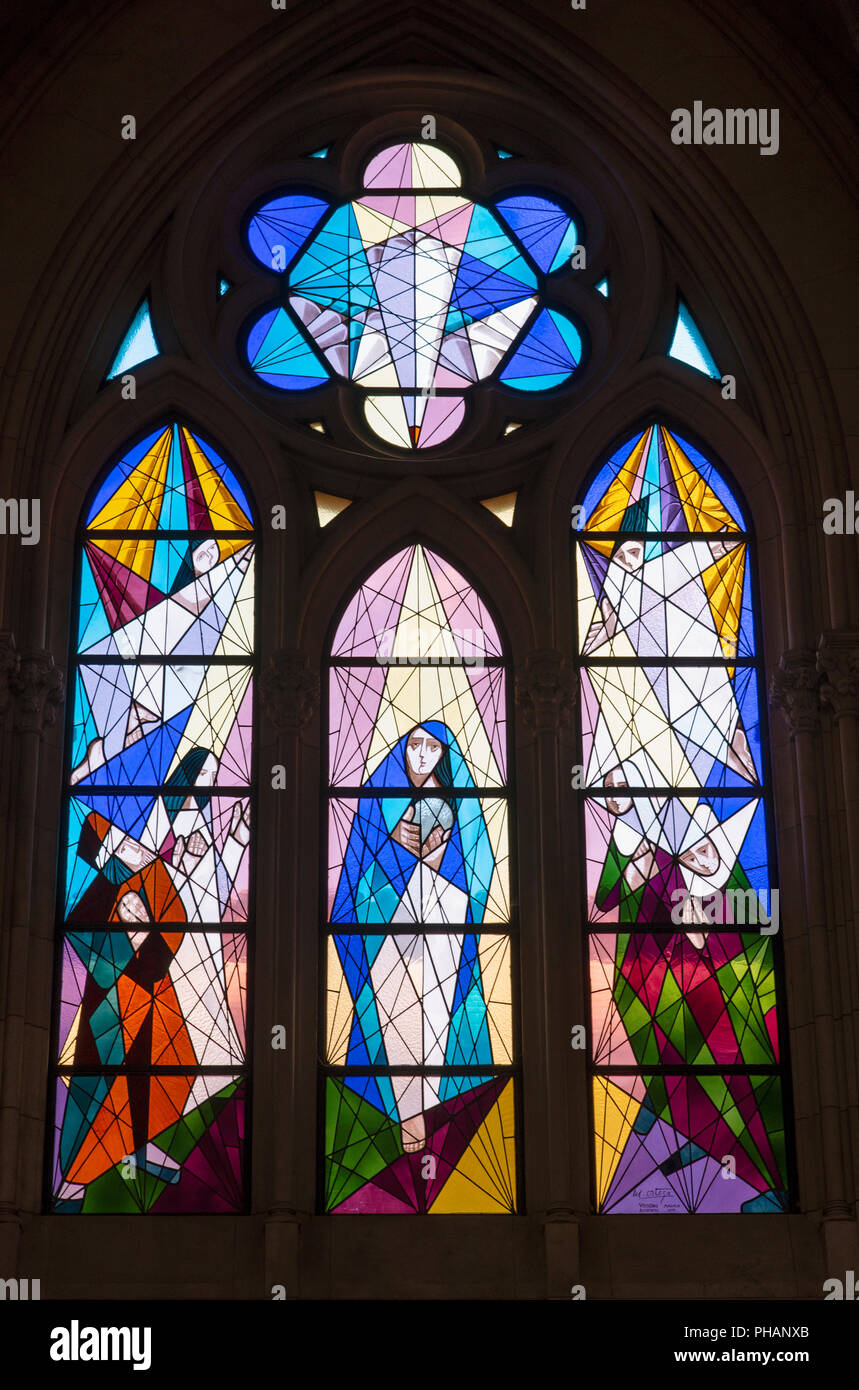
{"points": [[421, 855]]}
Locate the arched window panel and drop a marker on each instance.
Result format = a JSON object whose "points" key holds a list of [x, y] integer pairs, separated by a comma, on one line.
{"points": [[681, 908], [419, 1039], [151, 1071], [415, 293]]}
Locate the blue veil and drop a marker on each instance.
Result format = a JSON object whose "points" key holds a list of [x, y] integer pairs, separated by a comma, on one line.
{"points": [[376, 870], [374, 876]]}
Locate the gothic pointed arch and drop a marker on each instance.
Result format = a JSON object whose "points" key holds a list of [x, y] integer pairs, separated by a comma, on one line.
{"points": [[155, 896], [682, 904], [421, 1045]]}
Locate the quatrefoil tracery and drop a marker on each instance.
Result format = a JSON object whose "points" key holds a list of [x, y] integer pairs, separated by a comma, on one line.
{"points": [[413, 292]]}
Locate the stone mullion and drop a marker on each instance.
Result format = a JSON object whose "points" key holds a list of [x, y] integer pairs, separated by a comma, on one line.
{"points": [[37, 688], [794, 690], [838, 664], [545, 696], [289, 696]]}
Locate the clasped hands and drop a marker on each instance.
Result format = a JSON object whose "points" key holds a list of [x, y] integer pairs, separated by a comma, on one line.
{"points": [[407, 834]]}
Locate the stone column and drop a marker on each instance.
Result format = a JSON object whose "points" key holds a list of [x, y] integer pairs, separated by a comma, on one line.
{"points": [[33, 689], [289, 695], [794, 689], [553, 986], [838, 664]]}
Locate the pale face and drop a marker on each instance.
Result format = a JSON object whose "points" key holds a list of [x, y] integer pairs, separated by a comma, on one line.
{"points": [[206, 556], [422, 756], [617, 805], [630, 555], [702, 858], [206, 775]]}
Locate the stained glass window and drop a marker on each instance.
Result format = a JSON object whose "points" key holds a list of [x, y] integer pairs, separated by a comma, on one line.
{"points": [[688, 345], [151, 1064], [139, 344], [419, 1036], [414, 292], [683, 918]]}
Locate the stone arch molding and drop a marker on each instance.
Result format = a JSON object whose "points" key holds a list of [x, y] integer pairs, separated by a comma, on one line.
{"points": [[418, 509], [589, 117], [242, 105]]}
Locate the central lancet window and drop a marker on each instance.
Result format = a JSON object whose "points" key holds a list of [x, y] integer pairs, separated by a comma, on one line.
{"points": [[419, 1089]]}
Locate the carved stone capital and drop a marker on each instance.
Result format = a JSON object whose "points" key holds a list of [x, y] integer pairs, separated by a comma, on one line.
{"points": [[8, 667], [546, 691], [838, 1210], [560, 1211], [289, 690], [38, 687], [794, 689], [838, 664], [281, 1211]]}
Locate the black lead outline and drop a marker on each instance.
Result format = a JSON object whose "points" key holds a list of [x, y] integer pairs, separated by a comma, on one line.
{"points": [[762, 791], [246, 928], [509, 929]]}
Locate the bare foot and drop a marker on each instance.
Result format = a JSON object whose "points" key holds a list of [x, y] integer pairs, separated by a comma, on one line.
{"points": [[414, 1134], [92, 762]]}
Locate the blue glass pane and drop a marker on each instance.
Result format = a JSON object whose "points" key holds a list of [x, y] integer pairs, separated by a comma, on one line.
{"points": [[333, 272], [487, 241], [278, 354], [280, 228], [547, 356], [688, 345], [138, 345], [545, 230]]}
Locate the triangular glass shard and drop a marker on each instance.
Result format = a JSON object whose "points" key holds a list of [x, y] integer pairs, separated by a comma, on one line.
{"points": [[223, 286], [512, 426], [503, 154], [547, 356], [688, 345], [317, 425], [503, 507], [602, 288], [320, 154], [328, 506], [137, 346]]}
